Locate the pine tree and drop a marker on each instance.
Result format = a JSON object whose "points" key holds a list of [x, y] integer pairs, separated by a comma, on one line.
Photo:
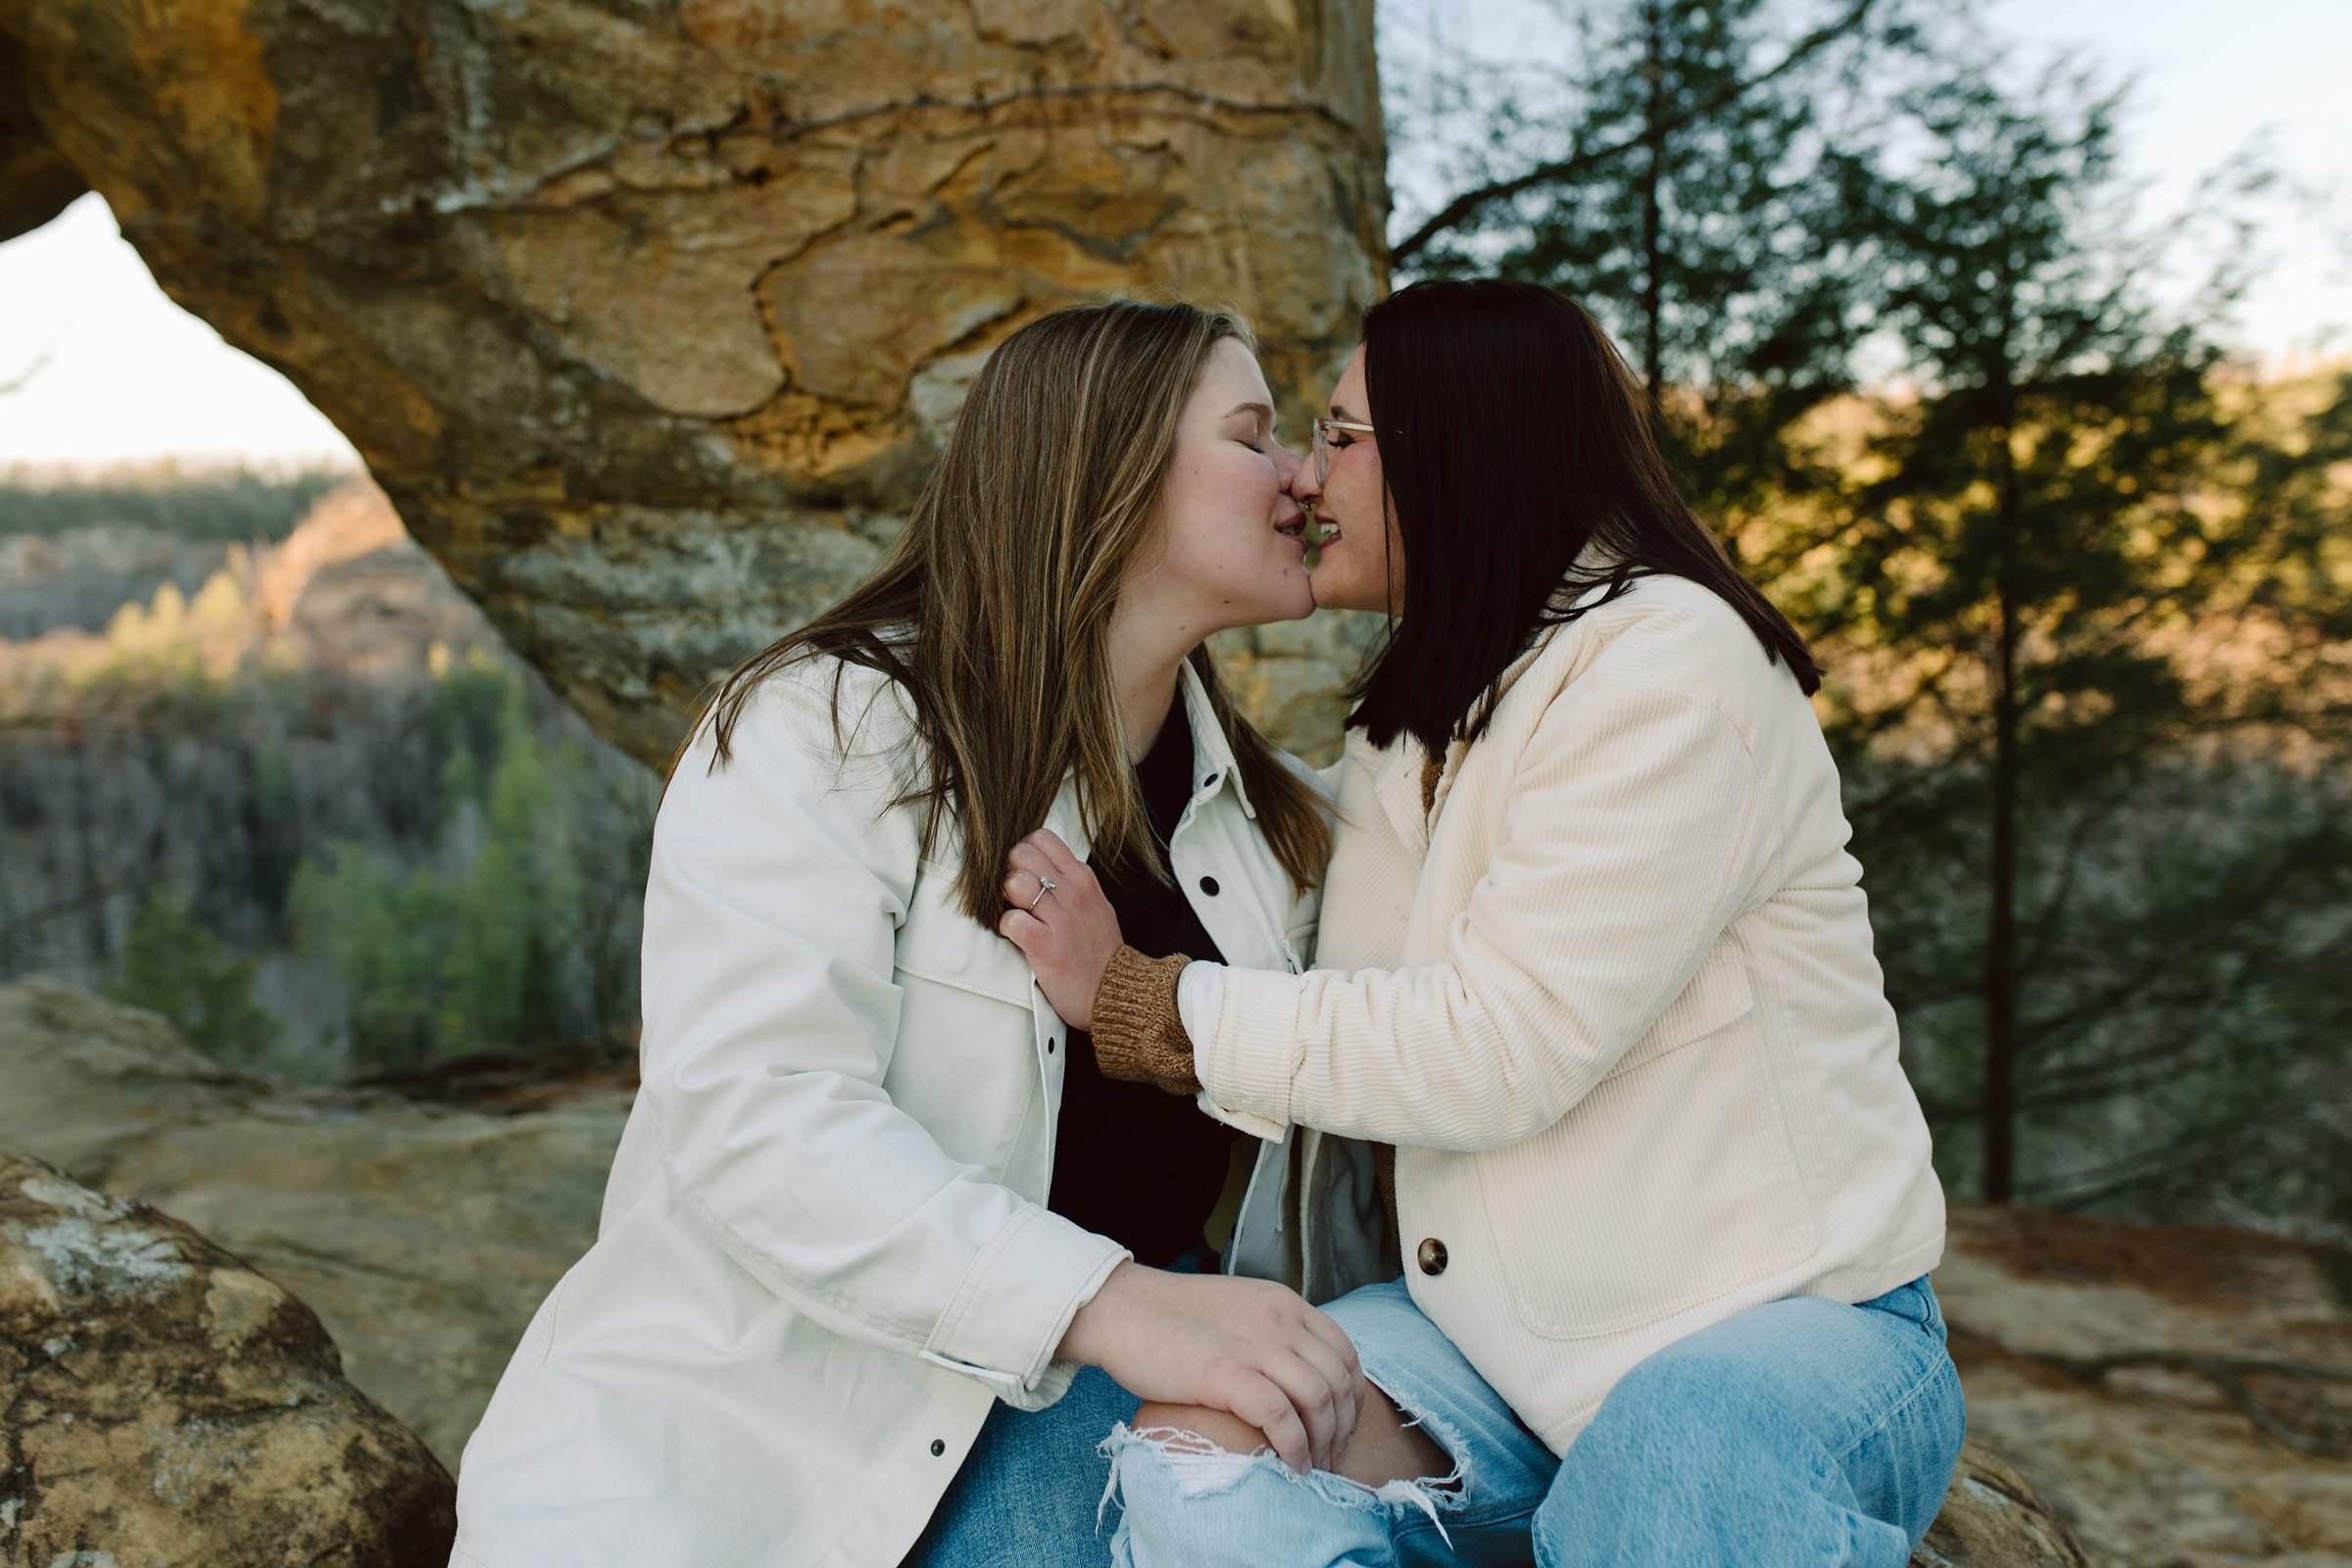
{"points": [[1689, 207], [2039, 530]]}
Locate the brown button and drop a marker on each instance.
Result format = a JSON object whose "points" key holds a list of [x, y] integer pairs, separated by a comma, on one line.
{"points": [[1431, 1255]]}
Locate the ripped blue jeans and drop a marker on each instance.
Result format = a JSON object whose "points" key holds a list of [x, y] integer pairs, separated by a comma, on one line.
{"points": [[1803, 1431]]}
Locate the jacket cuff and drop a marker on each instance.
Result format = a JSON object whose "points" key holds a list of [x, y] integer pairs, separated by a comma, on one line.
{"points": [[1137, 1032], [1015, 1303], [1250, 1060]]}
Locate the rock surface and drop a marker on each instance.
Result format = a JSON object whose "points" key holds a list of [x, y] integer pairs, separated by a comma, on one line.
{"points": [[1992, 1518], [2166, 1388], [423, 1235], [649, 318], [169, 1405]]}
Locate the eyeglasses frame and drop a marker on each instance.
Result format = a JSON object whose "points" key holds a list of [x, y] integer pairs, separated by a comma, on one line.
{"points": [[1320, 441]]}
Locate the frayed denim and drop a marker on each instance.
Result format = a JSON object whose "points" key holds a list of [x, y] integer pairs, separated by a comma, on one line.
{"points": [[1805, 1431]]}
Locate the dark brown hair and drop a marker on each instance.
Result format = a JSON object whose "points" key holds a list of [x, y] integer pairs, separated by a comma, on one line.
{"points": [[1511, 435]]}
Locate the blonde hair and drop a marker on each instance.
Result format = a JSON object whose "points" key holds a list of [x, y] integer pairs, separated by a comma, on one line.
{"points": [[992, 610]]}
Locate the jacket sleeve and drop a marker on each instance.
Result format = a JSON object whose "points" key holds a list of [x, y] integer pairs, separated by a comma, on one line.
{"points": [[1631, 839], [777, 885]]}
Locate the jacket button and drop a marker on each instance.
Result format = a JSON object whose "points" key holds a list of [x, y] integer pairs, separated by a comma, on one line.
{"points": [[1050, 1043], [1432, 1257], [1208, 885], [1210, 782], [938, 1447]]}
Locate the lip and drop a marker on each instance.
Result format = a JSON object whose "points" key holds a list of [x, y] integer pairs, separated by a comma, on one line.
{"points": [[1310, 521]]}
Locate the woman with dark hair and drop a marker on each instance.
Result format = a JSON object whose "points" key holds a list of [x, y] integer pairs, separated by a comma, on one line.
{"points": [[1595, 962]]}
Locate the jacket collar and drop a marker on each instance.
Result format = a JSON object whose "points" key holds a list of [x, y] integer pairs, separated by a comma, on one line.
{"points": [[1213, 766], [1396, 785], [1396, 772], [1212, 753]]}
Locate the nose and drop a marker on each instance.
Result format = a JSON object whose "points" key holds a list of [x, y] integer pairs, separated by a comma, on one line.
{"points": [[1301, 482]]}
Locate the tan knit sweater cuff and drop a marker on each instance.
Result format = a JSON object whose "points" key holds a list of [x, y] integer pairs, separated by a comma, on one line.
{"points": [[1138, 1035]]}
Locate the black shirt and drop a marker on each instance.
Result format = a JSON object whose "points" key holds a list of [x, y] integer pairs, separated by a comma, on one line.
{"points": [[1132, 1162]]}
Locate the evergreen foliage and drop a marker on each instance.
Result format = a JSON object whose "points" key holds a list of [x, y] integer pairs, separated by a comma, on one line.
{"points": [[2079, 582], [489, 945], [234, 505], [175, 967]]}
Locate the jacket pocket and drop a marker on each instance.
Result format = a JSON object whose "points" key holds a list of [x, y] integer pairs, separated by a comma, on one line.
{"points": [[1674, 1182], [1717, 996], [939, 942], [964, 1061]]}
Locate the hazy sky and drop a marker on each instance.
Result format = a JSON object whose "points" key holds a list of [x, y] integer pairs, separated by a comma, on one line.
{"points": [[132, 376]]}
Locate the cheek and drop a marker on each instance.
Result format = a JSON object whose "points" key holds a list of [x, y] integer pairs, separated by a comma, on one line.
{"points": [[1242, 510], [1364, 492]]}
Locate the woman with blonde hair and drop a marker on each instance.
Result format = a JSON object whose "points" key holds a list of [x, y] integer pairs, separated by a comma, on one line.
{"points": [[883, 1254]]}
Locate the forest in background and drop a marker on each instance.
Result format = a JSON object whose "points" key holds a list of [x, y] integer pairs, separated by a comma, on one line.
{"points": [[2077, 572], [2076, 568], [308, 806]]}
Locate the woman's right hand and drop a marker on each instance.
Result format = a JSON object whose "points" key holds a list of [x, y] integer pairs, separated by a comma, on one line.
{"points": [[1249, 1347]]}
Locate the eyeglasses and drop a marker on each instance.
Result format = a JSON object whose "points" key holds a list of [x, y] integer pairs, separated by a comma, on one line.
{"points": [[1322, 442]]}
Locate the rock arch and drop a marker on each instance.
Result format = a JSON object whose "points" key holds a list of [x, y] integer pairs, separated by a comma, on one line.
{"points": [[648, 315]]}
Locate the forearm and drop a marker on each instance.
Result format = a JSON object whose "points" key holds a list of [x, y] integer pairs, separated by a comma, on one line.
{"points": [[1407, 1056], [1139, 1029]]}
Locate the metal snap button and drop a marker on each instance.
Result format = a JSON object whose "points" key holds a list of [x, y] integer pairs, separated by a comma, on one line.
{"points": [[1431, 1255]]}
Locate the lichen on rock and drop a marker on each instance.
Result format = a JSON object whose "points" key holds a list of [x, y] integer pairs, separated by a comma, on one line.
{"points": [[167, 1405]]}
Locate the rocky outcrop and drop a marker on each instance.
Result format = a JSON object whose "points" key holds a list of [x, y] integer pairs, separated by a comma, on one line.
{"points": [[35, 179], [2181, 1397], [1992, 1518], [649, 319], [423, 1236], [165, 1404]]}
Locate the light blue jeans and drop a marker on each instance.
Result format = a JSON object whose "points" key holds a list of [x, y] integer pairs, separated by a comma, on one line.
{"points": [[1803, 1431], [1030, 1493]]}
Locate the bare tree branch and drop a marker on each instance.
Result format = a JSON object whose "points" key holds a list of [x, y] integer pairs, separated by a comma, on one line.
{"points": [[23, 377], [1463, 206]]}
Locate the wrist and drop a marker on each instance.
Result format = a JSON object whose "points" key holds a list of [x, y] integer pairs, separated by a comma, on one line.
{"points": [[1085, 1339]]}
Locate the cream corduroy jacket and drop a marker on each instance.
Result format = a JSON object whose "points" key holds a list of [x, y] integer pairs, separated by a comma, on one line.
{"points": [[1614, 999]]}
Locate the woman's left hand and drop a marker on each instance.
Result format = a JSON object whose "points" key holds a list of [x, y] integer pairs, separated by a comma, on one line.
{"points": [[1068, 935]]}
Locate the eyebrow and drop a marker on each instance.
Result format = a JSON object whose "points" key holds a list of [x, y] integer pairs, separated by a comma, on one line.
{"points": [[1340, 411], [1265, 408]]}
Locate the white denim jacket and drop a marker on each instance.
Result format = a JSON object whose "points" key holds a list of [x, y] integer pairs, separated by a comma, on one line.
{"points": [[824, 1250]]}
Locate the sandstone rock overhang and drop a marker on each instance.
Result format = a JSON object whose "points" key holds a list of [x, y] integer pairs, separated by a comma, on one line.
{"points": [[648, 319]]}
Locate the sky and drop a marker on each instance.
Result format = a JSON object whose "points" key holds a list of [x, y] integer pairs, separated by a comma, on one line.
{"points": [[128, 376]]}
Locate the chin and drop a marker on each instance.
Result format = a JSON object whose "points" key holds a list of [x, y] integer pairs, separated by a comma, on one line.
{"points": [[1296, 605], [1344, 594]]}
